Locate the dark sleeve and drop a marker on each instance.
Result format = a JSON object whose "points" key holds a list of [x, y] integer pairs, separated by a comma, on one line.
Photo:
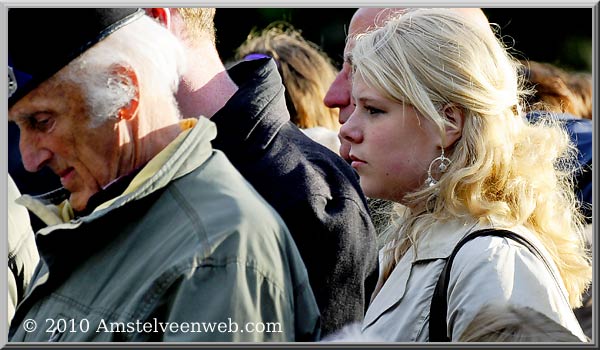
{"points": [[335, 238]]}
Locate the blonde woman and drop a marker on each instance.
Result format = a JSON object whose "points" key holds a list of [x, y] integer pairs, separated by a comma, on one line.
{"points": [[437, 128]]}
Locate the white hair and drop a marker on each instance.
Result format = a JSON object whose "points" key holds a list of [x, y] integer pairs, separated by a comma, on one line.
{"points": [[144, 46]]}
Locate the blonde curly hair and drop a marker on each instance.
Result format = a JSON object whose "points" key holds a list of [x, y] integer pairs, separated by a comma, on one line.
{"points": [[504, 170]]}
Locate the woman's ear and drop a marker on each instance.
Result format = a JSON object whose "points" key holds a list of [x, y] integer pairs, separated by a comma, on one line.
{"points": [[455, 116], [161, 14], [128, 76]]}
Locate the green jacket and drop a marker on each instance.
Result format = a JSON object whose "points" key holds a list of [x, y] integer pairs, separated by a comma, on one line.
{"points": [[193, 254]]}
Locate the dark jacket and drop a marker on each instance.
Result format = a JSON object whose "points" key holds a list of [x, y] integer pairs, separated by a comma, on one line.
{"points": [[314, 190]]}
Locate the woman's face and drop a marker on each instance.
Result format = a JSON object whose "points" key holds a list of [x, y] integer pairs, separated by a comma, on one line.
{"points": [[391, 144]]}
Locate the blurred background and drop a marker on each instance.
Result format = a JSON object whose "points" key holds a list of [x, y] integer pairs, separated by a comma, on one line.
{"points": [[561, 36]]}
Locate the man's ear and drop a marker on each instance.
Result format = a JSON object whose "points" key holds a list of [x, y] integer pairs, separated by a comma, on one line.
{"points": [[160, 14], [128, 77], [456, 119]]}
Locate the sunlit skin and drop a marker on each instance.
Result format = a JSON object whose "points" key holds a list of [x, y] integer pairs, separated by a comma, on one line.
{"points": [[204, 88], [390, 144], [55, 132]]}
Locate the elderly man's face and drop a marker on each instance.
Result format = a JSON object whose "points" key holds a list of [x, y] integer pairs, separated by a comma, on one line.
{"points": [[55, 132]]}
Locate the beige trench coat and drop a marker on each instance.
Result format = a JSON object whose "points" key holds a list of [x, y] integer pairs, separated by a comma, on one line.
{"points": [[487, 269]]}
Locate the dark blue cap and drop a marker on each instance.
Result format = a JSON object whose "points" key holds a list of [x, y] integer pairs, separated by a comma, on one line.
{"points": [[41, 41]]}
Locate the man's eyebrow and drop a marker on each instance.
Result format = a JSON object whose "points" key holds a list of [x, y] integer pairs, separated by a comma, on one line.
{"points": [[366, 99], [25, 117], [18, 118]]}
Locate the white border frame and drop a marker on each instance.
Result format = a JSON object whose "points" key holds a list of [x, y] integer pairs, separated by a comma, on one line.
{"points": [[257, 4]]}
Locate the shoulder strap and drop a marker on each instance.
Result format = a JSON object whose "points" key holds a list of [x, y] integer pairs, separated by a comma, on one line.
{"points": [[438, 328]]}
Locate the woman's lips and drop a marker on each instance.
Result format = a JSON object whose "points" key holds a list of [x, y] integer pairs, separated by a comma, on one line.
{"points": [[356, 162]]}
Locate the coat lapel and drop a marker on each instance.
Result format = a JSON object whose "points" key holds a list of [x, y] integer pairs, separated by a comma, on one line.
{"points": [[392, 291]]}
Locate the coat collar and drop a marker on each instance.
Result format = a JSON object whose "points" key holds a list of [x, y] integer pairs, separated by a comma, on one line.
{"points": [[256, 112], [188, 151], [435, 243], [438, 241]]}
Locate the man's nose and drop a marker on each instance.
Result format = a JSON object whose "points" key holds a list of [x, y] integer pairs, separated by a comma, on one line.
{"points": [[338, 95], [34, 157]]}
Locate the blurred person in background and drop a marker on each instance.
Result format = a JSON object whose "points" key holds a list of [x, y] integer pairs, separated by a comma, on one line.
{"points": [[437, 128], [567, 97], [153, 226], [501, 324], [306, 71], [558, 90], [315, 191], [23, 255]]}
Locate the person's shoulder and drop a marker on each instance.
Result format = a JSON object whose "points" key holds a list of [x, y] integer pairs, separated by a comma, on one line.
{"points": [[217, 192], [322, 167], [492, 252]]}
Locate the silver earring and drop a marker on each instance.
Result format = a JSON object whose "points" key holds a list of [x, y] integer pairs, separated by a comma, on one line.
{"points": [[443, 164]]}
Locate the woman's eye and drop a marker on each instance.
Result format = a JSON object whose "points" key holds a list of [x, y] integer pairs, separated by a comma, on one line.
{"points": [[373, 110]]}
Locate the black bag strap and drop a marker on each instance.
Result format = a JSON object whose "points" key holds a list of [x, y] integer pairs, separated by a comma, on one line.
{"points": [[438, 328]]}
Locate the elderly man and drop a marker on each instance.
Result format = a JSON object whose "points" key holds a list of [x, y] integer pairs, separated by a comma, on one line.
{"points": [[155, 236]]}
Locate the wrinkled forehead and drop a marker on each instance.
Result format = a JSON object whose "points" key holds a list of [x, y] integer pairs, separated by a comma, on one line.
{"points": [[50, 95]]}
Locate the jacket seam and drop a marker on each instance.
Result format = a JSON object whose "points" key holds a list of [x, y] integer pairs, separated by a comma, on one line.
{"points": [[195, 219], [167, 279]]}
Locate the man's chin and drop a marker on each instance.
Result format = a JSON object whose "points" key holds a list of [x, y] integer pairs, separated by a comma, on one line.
{"points": [[78, 201]]}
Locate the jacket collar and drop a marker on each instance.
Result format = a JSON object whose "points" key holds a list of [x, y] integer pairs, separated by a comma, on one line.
{"points": [[259, 100], [440, 239], [437, 242], [187, 152]]}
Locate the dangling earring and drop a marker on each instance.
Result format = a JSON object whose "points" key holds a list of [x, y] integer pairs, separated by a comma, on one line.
{"points": [[444, 163]]}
